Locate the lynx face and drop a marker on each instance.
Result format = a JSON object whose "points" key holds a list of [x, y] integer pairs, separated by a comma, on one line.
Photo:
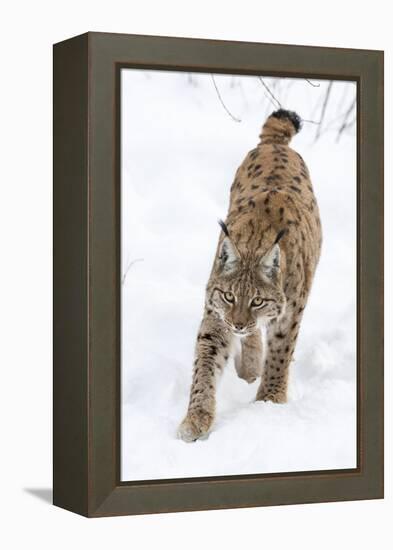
{"points": [[247, 293]]}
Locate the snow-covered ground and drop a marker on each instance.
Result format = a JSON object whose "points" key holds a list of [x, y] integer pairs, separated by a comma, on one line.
{"points": [[180, 151]]}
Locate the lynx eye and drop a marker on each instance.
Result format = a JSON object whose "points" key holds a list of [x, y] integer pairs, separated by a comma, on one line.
{"points": [[229, 297], [257, 302]]}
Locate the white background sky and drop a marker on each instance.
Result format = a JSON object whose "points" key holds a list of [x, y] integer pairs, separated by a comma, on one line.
{"points": [[31, 28], [180, 151]]}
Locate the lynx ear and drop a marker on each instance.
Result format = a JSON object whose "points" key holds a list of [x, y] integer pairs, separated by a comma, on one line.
{"points": [[270, 263], [228, 255]]}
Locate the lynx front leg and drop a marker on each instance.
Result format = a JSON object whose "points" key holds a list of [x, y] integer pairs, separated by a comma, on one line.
{"points": [[211, 355], [248, 362], [281, 340]]}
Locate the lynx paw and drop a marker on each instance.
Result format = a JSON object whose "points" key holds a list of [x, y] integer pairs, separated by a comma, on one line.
{"points": [[247, 371], [195, 426], [274, 396], [248, 376]]}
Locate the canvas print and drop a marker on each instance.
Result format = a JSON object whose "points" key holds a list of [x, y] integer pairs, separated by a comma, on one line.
{"points": [[238, 275]]}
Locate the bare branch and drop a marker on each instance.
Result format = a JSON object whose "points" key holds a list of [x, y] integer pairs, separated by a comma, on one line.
{"points": [[316, 106], [311, 121], [222, 102], [331, 124], [272, 97], [352, 123], [285, 94], [269, 92], [130, 264], [323, 112], [191, 80], [345, 124], [313, 84], [343, 98]]}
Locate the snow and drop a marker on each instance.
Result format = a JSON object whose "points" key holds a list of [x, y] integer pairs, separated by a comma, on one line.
{"points": [[180, 151]]}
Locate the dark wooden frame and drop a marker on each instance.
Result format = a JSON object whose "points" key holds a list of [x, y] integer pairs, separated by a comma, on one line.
{"points": [[87, 277]]}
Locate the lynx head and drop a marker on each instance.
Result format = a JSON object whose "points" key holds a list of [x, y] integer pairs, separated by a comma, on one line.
{"points": [[247, 291]]}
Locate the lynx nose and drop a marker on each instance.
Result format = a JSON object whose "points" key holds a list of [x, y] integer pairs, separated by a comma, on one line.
{"points": [[239, 326]]}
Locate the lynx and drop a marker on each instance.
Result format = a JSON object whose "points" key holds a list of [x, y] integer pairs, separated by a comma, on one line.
{"points": [[262, 273]]}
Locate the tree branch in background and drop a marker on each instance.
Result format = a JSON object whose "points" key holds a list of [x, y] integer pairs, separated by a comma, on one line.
{"points": [[345, 124], [222, 102], [323, 112], [130, 264], [270, 92], [286, 90], [324, 100], [313, 84], [330, 125], [191, 80], [311, 121]]}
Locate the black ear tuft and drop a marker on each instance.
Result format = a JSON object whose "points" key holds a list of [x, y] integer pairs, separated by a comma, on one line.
{"points": [[223, 227], [290, 115], [280, 235]]}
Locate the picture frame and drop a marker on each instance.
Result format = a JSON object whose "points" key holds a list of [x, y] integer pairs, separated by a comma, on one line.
{"points": [[86, 373]]}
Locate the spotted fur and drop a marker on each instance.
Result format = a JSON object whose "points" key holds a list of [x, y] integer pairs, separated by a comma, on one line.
{"points": [[266, 257]]}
